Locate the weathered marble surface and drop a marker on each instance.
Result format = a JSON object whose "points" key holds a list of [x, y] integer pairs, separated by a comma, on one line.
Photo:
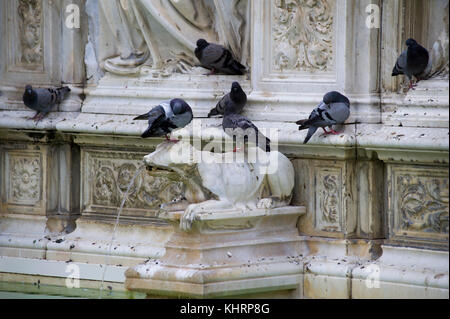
{"points": [[360, 188]]}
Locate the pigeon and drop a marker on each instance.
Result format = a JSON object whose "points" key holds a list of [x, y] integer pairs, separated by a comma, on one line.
{"points": [[217, 58], [43, 99], [236, 98], [412, 62], [238, 125], [165, 117], [333, 109]]}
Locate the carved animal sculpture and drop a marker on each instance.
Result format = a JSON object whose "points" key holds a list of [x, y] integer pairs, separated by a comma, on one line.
{"points": [[214, 184]]}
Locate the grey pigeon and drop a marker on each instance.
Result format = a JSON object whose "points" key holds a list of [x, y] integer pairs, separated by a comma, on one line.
{"points": [[238, 125], [217, 58], [334, 109], [412, 62], [166, 117], [43, 99], [236, 98]]}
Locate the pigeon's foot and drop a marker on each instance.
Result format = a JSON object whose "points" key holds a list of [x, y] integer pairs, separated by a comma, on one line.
{"points": [[34, 117], [212, 72], [330, 132], [38, 118], [412, 85], [171, 140]]}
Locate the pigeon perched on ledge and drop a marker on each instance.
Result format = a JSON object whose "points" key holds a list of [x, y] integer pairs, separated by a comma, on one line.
{"points": [[236, 98], [166, 117], [334, 109], [217, 58], [238, 125], [43, 99], [412, 62]]}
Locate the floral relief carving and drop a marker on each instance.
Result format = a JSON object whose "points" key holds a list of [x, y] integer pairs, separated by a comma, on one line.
{"points": [[303, 35], [30, 15], [25, 180], [423, 203], [112, 178]]}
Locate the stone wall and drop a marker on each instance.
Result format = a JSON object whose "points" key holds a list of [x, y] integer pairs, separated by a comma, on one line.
{"points": [[376, 191]]}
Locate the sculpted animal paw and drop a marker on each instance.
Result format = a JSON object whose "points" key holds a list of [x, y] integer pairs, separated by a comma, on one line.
{"points": [[265, 203], [188, 218]]}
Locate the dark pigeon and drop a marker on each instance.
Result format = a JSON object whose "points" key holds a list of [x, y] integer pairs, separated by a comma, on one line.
{"points": [[42, 100], [217, 58], [334, 109], [238, 125], [166, 117], [412, 62], [236, 98]]}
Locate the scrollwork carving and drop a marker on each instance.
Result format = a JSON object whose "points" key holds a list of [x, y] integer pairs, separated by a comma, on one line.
{"points": [[423, 203], [111, 180]]}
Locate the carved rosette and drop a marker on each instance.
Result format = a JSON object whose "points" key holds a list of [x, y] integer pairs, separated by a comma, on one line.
{"points": [[25, 180], [30, 15], [329, 199], [302, 35]]}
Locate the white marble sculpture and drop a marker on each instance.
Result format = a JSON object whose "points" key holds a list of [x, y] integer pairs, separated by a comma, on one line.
{"points": [[162, 34], [213, 182]]}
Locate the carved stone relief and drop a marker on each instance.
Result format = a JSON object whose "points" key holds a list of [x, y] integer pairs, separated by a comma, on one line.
{"points": [[420, 205], [159, 37], [111, 174], [30, 31], [302, 35], [25, 175], [328, 190]]}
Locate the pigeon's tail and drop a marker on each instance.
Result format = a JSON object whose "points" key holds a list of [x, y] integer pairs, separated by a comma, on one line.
{"points": [[213, 112], [236, 68], [267, 145], [301, 123], [310, 133], [396, 71], [142, 117]]}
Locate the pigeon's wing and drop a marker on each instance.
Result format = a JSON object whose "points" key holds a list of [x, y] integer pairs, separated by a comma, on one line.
{"points": [[400, 65], [46, 99], [338, 112], [213, 54], [241, 122], [219, 109]]}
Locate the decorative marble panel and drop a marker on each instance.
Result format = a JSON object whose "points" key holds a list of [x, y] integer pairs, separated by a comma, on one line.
{"points": [[107, 175], [419, 208], [31, 41], [303, 35], [329, 202], [29, 31], [23, 180]]}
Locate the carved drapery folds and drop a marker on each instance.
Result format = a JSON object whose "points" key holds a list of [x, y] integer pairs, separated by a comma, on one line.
{"points": [[303, 35], [30, 15], [131, 25]]}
